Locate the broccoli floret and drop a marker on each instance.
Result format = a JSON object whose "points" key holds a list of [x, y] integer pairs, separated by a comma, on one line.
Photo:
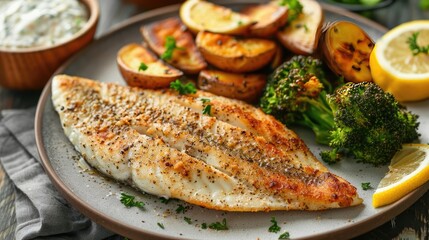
{"points": [[296, 94], [356, 119], [369, 124]]}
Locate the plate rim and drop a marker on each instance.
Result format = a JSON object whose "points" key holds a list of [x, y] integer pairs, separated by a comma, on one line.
{"points": [[101, 218], [360, 7]]}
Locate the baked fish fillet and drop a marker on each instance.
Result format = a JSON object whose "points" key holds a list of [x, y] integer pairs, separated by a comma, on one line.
{"points": [[235, 159]]}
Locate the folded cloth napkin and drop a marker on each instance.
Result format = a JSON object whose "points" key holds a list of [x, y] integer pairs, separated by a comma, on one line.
{"points": [[40, 211]]}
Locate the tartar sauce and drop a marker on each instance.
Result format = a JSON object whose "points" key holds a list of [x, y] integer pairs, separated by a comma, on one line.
{"points": [[39, 23]]}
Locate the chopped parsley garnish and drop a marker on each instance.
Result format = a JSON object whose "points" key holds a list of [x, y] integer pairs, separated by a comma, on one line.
{"points": [[205, 100], [207, 109], [284, 236], [170, 46], [366, 186], [294, 9], [188, 88], [414, 46], [188, 220], [165, 200], [128, 201], [142, 66], [240, 23], [182, 209], [219, 225], [204, 225], [161, 225], [274, 228]]}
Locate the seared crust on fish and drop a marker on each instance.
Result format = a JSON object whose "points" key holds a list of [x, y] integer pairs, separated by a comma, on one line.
{"points": [[235, 159]]}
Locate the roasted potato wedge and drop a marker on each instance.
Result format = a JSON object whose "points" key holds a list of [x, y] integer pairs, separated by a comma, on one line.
{"points": [[277, 59], [156, 75], [200, 15], [246, 87], [235, 54], [302, 35], [268, 17], [346, 49], [186, 56]]}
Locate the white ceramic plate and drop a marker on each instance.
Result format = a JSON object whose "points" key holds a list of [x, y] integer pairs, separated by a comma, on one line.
{"points": [[98, 197]]}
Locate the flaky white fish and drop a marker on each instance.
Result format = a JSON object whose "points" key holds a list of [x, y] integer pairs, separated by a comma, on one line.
{"points": [[233, 158]]}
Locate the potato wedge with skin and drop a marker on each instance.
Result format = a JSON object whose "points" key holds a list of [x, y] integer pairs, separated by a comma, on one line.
{"points": [[157, 75], [302, 35], [200, 15], [186, 57], [268, 17], [277, 59], [246, 87], [235, 54], [346, 49]]}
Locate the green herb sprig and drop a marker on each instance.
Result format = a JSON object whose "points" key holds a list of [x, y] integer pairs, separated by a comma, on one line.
{"points": [[216, 225], [182, 209], [219, 225], [170, 46], [284, 236], [142, 67], [188, 88], [188, 220], [204, 100], [165, 200], [207, 107], [128, 201], [274, 228], [160, 225], [414, 46], [294, 9], [366, 186]]}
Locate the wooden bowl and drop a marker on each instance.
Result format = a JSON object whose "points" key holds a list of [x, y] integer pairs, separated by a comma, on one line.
{"points": [[31, 68]]}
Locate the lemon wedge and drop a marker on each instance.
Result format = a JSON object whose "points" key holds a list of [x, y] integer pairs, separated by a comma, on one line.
{"points": [[396, 69], [408, 170], [199, 15]]}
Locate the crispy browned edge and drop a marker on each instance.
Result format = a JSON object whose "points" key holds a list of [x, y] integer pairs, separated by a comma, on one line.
{"points": [[346, 232]]}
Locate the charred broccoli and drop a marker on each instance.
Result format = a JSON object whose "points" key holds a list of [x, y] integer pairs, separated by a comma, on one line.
{"points": [[296, 94], [356, 119]]}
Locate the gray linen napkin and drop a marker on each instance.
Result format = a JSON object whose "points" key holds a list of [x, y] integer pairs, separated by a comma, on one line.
{"points": [[41, 212]]}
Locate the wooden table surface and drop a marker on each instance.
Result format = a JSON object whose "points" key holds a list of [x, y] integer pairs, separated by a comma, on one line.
{"points": [[413, 223]]}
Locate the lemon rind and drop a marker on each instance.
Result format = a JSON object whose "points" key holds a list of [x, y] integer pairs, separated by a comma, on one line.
{"points": [[394, 192]]}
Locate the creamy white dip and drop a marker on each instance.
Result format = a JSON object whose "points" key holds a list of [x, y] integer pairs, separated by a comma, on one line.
{"points": [[39, 23]]}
